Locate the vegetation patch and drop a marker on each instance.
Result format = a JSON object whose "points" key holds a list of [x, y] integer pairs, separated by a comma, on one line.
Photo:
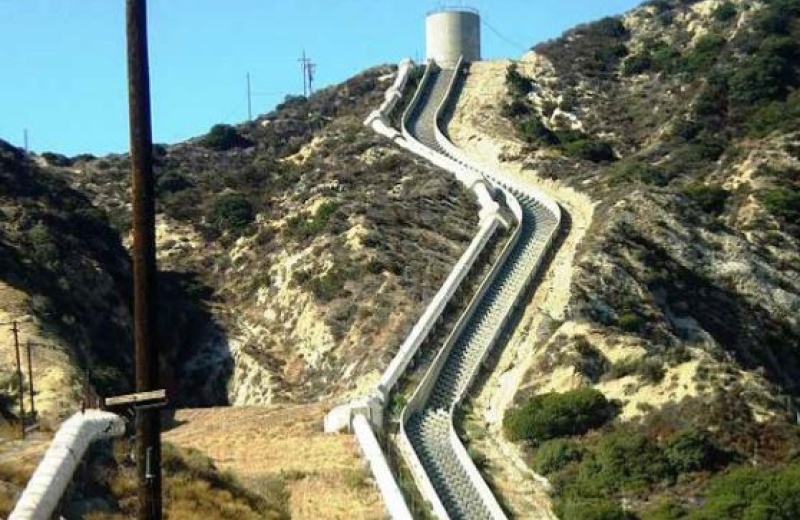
{"points": [[551, 415]]}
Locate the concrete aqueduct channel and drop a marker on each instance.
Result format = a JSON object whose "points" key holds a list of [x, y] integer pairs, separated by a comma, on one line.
{"points": [[442, 469]]}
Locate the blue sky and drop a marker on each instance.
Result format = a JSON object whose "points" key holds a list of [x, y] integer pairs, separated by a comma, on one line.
{"points": [[63, 61]]}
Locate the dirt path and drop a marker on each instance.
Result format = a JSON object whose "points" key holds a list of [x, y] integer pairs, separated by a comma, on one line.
{"points": [[324, 473]]}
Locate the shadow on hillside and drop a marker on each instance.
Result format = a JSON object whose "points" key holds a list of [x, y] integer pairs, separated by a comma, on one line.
{"points": [[197, 363]]}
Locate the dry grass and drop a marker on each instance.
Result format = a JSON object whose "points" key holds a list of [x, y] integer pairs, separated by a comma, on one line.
{"points": [[18, 460], [323, 474]]}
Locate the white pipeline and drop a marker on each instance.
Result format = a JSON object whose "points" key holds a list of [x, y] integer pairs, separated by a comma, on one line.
{"points": [[47, 485]]}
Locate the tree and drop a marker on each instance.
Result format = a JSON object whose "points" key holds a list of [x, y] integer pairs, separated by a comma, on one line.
{"points": [[223, 137]]}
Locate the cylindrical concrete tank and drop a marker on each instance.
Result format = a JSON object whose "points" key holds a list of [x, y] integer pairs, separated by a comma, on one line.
{"points": [[452, 33]]}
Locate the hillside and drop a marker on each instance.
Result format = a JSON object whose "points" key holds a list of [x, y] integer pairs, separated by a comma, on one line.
{"points": [[316, 241], [669, 137], [60, 262]]}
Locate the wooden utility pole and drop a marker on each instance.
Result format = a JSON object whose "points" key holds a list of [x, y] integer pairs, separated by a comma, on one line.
{"points": [[30, 379], [148, 423], [15, 330]]}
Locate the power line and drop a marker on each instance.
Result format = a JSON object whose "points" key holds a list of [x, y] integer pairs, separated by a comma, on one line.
{"points": [[506, 39]]}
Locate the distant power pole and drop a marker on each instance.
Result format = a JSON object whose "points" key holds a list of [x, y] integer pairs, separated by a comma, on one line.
{"points": [[25, 138], [249, 100], [308, 67], [148, 421]]}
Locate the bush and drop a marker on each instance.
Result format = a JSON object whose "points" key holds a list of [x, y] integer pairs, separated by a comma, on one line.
{"points": [[534, 131], [637, 64], [553, 415], [725, 12], [609, 27], [518, 85], [632, 170], [666, 510], [590, 150], [711, 199], [784, 203], [704, 54], [768, 75], [171, 182], [300, 227], [554, 455], [753, 493], [628, 461], [691, 451], [223, 137], [56, 159], [591, 509], [231, 212]]}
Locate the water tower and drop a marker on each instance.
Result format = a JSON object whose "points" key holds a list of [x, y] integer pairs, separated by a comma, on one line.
{"points": [[451, 33]]}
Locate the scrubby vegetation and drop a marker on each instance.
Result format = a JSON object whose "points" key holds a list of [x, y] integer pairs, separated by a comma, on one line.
{"points": [[700, 471], [529, 123], [547, 416]]}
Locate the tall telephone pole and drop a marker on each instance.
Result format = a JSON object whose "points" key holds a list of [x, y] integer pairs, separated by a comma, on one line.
{"points": [[148, 422]]}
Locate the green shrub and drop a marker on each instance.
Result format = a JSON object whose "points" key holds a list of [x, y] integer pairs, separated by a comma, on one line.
{"points": [[329, 286], [704, 54], [231, 212], [223, 137], [778, 116], [784, 203], [748, 493], [609, 27], [768, 75], [56, 159], [710, 199], [532, 130], [637, 64], [44, 248], [627, 461], [590, 150], [301, 227], [171, 182], [631, 321], [553, 415], [518, 85], [515, 109], [665, 510], [554, 455], [725, 12], [83, 157], [591, 509], [632, 170], [692, 450]]}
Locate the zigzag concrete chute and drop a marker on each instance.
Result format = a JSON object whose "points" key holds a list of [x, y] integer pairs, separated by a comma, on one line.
{"points": [[444, 472], [427, 440]]}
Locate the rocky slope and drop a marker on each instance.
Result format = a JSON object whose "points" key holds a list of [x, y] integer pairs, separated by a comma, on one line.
{"points": [[668, 134]]}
